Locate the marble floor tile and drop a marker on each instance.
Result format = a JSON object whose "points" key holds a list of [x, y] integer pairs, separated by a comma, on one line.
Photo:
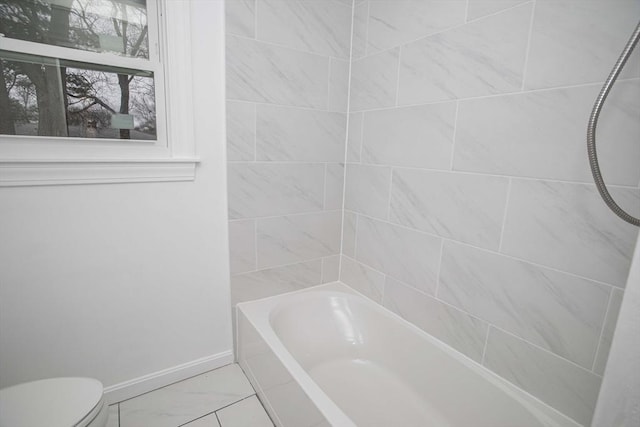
{"points": [[246, 413], [210, 420], [186, 400]]}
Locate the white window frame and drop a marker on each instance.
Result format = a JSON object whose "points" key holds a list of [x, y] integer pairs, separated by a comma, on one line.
{"points": [[29, 160]]}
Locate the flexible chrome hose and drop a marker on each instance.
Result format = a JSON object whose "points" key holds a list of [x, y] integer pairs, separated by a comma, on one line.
{"points": [[593, 122]]}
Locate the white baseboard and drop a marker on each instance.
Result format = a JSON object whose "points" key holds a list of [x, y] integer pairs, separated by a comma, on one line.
{"points": [[146, 383]]}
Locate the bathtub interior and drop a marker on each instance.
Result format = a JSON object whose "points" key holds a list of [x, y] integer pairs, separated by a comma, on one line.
{"points": [[370, 364]]}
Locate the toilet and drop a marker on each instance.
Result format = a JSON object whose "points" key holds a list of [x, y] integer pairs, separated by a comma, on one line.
{"points": [[55, 402]]}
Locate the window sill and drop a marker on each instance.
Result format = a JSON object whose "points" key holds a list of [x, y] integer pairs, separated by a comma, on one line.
{"points": [[19, 173]]}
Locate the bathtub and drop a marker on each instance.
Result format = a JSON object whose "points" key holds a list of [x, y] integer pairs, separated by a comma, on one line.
{"points": [[327, 356]]}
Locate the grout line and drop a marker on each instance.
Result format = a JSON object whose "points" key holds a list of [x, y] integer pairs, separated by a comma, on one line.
{"points": [[346, 143], [218, 419], [604, 324], [361, 148], [528, 48], [517, 92], [366, 31], [435, 293], [454, 135], [504, 215], [486, 344], [491, 251]]}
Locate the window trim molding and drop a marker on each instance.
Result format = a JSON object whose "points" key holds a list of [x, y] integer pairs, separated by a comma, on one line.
{"points": [[24, 160]]}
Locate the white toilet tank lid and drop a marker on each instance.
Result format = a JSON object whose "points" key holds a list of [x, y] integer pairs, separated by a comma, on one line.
{"points": [[54, 402]]}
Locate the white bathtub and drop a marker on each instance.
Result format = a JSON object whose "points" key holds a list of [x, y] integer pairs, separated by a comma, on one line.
{"points": [[327, 356]]}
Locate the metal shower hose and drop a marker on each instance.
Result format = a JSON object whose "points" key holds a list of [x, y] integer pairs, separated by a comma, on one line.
{"points": [[593, 122]]}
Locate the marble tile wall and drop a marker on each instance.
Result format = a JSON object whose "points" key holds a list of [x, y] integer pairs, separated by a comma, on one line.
{"points": [[469, 204], [287, 90]]}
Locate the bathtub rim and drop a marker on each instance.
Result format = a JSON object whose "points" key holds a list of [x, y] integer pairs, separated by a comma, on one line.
{"points": [[263, 308]]}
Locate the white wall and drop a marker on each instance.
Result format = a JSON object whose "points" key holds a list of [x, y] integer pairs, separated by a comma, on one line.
{"points": [[619, 399], [120, 281]]}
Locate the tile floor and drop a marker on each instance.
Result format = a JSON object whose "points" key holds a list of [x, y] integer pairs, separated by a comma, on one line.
{"points": [[219, 398]]}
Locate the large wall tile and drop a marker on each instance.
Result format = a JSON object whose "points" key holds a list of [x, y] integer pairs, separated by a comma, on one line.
{"points": [[608, 330], [274, 281], [241, 132], [362, 278], [559, 312], [242, 245], [374, 81], [459, 330], [349, 234], [333, 186], [542, 134], [566, 387], [295, 238], [568, 227], [480, 8], [294, 134], [464, 207], [360, 22], [265, 73], [338, 85], [481, 58], [317, 26], [578, 41], [330, 269], [414, 136], [394, 22], [409, 256], [274, 189], [354, 138], [367, 190], [240, 17]]}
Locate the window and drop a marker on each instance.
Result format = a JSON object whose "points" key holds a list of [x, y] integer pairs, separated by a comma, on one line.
{"points": [[83, 82]]}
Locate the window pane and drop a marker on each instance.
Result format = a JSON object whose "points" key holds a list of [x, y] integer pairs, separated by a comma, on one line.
{"points": [[118, 26], [53, 97]]}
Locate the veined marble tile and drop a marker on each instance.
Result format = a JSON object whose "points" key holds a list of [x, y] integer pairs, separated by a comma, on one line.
{"points": [[464, 207], [542, 134], [568, 227], [240, 17], [480, 58], [262, 72], [362, 278], [360, 22], [561, 313], [354, 137], [412, 136], [241, 130], [394, 22], [114, 416], [566, 387], [294, 134], [334, 186], [330, 268], [374, 81], [295, 238], [349, 234], [607, 332], [367, 189], [274, 281], [579, 41], [338, 85], [274, 189], [409, 256], [461, 331], [242, 245], [480, 8], [317, 26], [208, 421], [246, 413], [186, 400]]}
